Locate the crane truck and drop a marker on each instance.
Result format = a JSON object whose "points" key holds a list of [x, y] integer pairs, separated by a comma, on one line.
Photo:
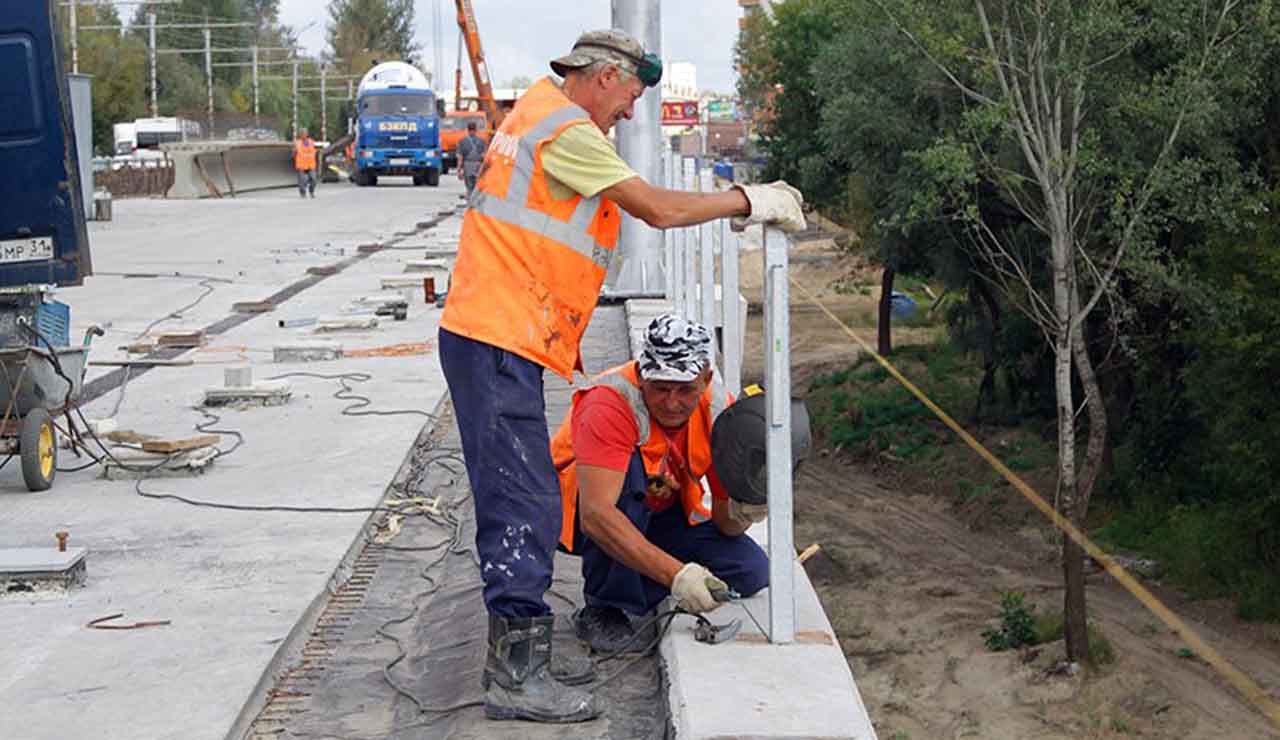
{"points": [[397, 126]]}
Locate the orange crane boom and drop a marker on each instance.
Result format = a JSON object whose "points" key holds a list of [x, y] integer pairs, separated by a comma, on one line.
{"points": [[479, 70]]}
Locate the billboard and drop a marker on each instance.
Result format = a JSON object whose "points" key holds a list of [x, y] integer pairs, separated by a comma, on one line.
{"points": [[722, 110], [680, 113]]}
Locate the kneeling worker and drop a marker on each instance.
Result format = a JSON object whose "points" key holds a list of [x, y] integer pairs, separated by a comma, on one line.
{"points": [[631, 458]]}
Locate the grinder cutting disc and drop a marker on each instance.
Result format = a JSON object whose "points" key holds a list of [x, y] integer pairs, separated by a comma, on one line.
{"points": [[738, 441]]}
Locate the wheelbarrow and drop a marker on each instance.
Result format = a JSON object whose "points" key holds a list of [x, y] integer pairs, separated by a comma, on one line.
{"points": [[38, 383]]}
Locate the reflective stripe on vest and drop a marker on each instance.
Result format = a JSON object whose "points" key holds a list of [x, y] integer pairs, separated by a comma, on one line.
{"points": [[512, 210]]}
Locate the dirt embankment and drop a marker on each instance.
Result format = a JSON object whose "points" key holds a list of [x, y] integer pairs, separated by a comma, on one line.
{"points": [[910, 579]]}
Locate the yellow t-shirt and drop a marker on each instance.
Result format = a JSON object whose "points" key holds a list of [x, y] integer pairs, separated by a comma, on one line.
{"points": [[582, 161]]}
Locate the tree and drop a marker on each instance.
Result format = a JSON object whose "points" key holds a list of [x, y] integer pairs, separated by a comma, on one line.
{"points": [[360, 30], [1044, 78]]}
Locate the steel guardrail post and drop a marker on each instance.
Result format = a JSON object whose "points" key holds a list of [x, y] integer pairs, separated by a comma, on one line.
{"points": [[707, 261], [690, 266], [729, 304], [777, 323]]}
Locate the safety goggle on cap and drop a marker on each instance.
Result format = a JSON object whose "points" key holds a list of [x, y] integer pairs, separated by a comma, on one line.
{"points": [[613, 46]]}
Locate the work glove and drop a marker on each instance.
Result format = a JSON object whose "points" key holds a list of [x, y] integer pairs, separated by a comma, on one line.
{"points": [[747, 514], [776, 204], [692, 588]]}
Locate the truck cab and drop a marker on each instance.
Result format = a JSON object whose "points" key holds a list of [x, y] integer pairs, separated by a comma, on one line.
{"points": [[397, 126], [43, 237]]}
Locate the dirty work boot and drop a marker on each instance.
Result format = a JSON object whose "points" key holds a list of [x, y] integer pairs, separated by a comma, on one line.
{"points": [[518, 679], [607, 630], [570, 670]]}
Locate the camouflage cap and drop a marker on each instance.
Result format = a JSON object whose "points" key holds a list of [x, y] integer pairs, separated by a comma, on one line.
{"points": [[675, 349], [610, 45]]}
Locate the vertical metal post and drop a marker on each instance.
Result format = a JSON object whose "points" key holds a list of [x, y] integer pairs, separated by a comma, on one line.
{"points": [[256, 123], [673, 253], [777, 334], [151, 53], [208, 73], [707, 262], [639, 143], [351, 124], [729, 309], [324, 103], [294, 126], [690, 266], [75, 38], [677, 237]]}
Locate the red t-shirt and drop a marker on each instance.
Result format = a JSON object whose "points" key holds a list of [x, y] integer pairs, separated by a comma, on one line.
{"points": [[605, 435]]}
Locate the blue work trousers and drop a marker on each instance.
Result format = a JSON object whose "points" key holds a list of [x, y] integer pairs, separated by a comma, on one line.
{"points": [[501, 415], [738, 561]]}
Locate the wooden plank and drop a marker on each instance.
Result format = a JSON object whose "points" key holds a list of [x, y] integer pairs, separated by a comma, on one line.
{"points": [[323, 270], [253, 306], [193, 338], [167, 446]]}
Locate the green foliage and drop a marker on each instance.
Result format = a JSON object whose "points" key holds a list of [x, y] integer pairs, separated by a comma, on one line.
{"points": [[863, 409], [1017, 624], [383, 28]]}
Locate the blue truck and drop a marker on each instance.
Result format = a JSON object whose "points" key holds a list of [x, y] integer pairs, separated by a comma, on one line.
{"points": [[397, 126]]}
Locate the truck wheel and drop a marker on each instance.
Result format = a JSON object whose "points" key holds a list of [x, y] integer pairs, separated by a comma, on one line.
{"points": [[419, 180], [433, 177], [38, 449]]}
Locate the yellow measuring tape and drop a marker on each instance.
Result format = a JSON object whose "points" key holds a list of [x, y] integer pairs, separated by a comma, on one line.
{"points": [[1243, 683]]}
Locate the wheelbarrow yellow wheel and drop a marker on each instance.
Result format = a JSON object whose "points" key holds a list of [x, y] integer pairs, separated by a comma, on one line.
{"points": [[38, 448]]}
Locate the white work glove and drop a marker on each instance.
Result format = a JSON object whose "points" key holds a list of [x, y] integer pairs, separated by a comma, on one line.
{"points": [[776, 204], [692, 588], [748, 514]]}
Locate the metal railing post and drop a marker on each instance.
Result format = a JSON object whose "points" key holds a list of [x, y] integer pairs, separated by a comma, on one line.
{"points": [[675, 238], [777, 328], [707, 261], [690, 266], [732, 336]]}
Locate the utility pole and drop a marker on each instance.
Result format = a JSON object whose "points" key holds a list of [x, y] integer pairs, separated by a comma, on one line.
{"points": [[324, 107], [255, 87], [639, 143], [75, 41], [151, 54], [208, 70], [350, 97], [295, 100]]}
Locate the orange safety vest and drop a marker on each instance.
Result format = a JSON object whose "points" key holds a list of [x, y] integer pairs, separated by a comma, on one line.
{"points": [[625, 380], [530, 267], [304, 154]]}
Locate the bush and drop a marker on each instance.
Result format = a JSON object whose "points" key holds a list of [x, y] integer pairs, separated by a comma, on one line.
{"points": [[1017, 624]]}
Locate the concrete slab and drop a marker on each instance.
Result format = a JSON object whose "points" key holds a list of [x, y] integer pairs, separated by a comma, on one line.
{"points": [[233, 583], [800, 690], [39, 559]]}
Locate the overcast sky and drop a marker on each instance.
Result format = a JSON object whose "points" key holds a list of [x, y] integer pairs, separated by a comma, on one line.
{"points": [[521, 36]]}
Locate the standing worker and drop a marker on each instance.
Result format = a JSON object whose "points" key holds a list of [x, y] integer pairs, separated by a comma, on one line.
{"points": [[535, 246], [471, 157], [304, 161]]}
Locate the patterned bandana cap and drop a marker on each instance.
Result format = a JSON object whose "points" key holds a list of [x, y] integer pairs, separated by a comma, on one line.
{"points": [[675, 349]]}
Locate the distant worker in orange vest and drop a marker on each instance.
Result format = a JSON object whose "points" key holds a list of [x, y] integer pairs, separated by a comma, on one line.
{"points": [[304, 161], [536, 243], [632, 455]]}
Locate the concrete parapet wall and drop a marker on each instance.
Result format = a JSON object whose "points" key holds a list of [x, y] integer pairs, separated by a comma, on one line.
{"points": [[214, 169]]}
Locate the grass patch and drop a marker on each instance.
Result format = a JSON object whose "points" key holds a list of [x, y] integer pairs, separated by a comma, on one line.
{"points": [[1049, 628], [1201, 550]]}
